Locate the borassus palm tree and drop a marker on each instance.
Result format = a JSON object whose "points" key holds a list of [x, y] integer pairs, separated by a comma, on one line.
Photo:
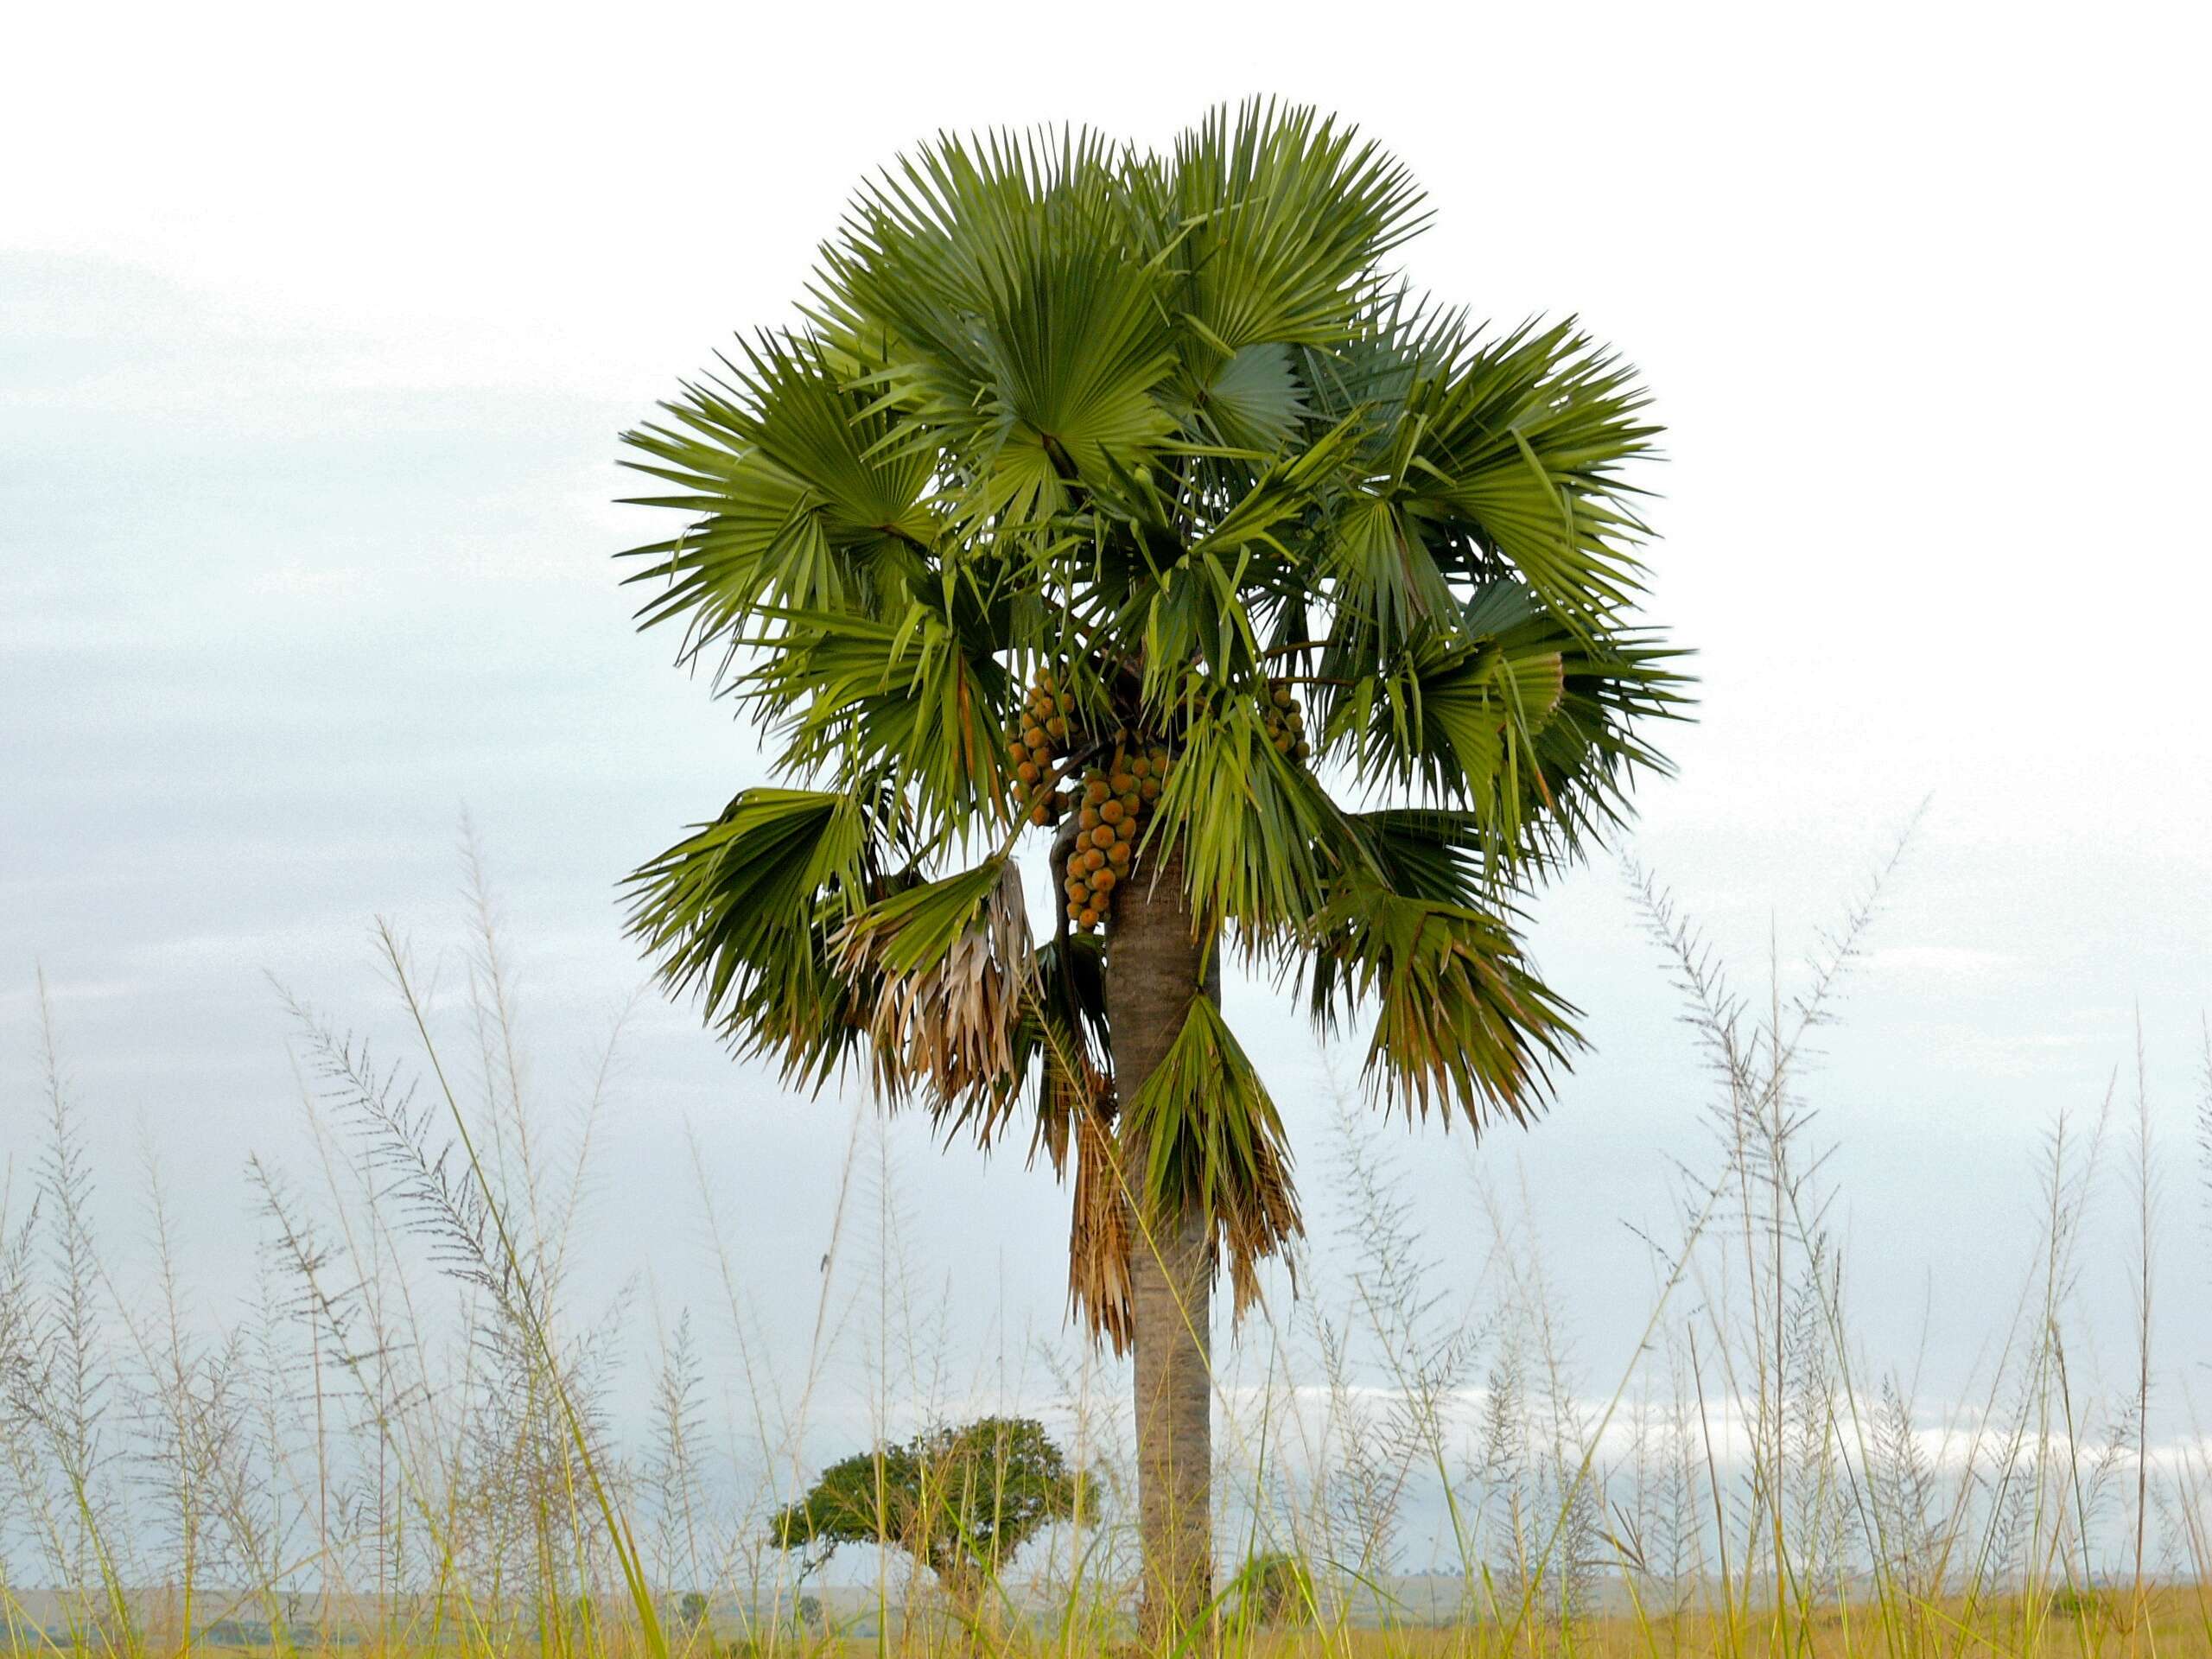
{"points": [[1125, 512]]}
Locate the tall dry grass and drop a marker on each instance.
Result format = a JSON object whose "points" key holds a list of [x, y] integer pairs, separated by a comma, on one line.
{"points": [[409, 1441]]}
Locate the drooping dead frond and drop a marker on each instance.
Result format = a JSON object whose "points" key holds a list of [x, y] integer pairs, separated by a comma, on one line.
{"points": [[953, 960], [1099, 1288], [1075, 1110]]}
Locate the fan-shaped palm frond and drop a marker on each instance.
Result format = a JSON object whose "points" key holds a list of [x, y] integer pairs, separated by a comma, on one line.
{"points": [[1214, 1142], [1463, 1024]]}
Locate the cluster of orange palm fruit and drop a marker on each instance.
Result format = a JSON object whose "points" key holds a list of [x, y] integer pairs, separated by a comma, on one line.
{"points": [[1037, 739], [1114, 801], [1285, 723]]}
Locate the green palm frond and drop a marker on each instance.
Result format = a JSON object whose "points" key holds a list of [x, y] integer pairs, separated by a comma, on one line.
{"points": [[1030, 342], [1463, 1025], [793, 503], [1585, 759], [1453, 719], [908, 698], [1430, 853], [1521, 446], [1279, 496], [1506, 711], [1213, 1139], [1255, 829], [1385, 582], [1287, 217], [1253, 402], [743, 913]]}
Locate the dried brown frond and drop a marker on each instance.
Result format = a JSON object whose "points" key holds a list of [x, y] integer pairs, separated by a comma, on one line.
{"points": [[946, 1033], [1099, 1287]]}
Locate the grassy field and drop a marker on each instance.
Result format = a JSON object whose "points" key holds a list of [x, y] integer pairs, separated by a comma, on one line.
{"points": [[2165, 1620], [407, 1442]]}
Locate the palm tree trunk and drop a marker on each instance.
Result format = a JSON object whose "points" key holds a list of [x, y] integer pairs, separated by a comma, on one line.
{"points": [[1154, 970]]}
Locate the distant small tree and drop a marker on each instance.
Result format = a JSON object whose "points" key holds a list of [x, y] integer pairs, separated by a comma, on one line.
{"points": [[961, 1501], [691, 1612]]}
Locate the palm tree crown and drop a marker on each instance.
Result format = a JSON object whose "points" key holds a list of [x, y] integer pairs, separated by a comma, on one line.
{"points": [[1128, 511]]}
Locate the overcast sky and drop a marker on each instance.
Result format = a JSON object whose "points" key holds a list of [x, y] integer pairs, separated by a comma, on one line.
{"points": [[317, 326]]}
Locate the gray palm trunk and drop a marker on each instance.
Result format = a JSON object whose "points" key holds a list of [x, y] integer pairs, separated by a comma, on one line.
{"points": [[1155, 969]]}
